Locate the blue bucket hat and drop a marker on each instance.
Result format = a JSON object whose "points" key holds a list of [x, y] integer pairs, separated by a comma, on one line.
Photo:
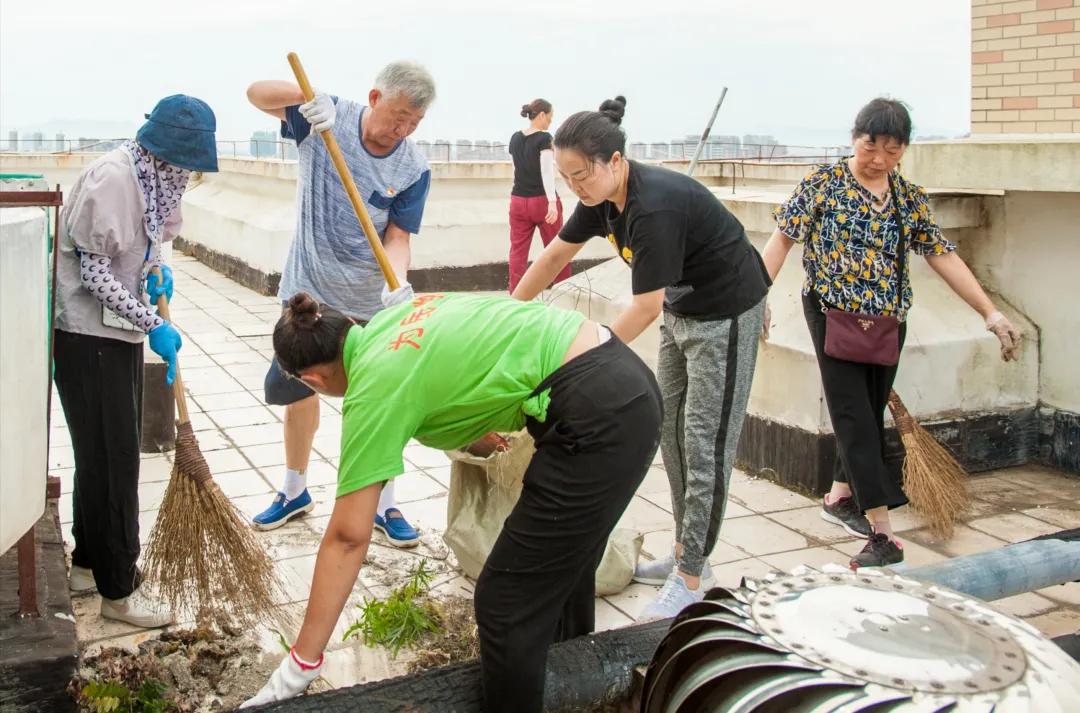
{"points": [[180, 130]]}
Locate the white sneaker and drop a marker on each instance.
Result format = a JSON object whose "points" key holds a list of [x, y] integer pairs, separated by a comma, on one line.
{"points": [[138, 609], [674, 596], [81, 580], [654, 571]]}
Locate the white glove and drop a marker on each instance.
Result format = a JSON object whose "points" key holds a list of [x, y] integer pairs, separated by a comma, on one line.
{"points": [[1007, 334], [398, 296], [319, 112], [288, 681]]}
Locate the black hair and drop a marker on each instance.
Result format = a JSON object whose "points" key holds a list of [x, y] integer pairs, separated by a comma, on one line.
{"points": [[537, 106], [883, 117], [308, 333], [595, 134]]}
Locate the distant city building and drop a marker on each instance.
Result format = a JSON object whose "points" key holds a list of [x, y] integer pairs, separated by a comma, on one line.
{"points": [[463, 150], [659, 151], [85, 143], [13, 140], [440, 150], [264, 144], [637, 150], [37, 141], [61, 142], [761, 145]]}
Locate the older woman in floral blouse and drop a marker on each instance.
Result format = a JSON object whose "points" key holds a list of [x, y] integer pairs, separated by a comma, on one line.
{"points": [[853, 218]]}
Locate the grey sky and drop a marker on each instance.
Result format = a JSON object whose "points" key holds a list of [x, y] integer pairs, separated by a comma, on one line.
{"points": [[796, 69]]}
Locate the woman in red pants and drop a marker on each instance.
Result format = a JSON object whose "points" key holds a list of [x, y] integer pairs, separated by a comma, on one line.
{"points": [[533, 201]]}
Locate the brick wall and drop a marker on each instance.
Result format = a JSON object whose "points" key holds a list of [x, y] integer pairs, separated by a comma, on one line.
{"points": [[1025, 66]]}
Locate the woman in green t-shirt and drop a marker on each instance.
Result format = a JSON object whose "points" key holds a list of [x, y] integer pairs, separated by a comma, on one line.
{"points": [[447, 370]]}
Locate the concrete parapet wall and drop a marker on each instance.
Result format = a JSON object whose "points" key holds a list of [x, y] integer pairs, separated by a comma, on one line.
{"points": [[247, 212], [1018, 163], [1012, 206]]}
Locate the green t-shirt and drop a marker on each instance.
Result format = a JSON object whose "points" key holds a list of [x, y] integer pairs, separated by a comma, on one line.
{"points": [[444, 369]]}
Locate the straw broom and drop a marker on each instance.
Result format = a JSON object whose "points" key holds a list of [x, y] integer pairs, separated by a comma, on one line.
{"points": [[202, 554], [935, 483]]}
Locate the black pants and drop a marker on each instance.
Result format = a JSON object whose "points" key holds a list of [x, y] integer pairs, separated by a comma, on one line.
{"points": [[857, 395], [537, 587], [100, 386]]}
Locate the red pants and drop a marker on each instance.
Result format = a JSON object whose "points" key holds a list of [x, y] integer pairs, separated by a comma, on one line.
{"points": [[527, 214]]}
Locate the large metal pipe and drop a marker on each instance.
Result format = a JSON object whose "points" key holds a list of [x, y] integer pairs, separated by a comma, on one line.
{"points": [[595, 670], [1014, 569], [705, 134]]}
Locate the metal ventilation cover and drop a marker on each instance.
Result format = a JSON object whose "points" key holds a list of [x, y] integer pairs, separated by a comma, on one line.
{"points": [[846, 642]]}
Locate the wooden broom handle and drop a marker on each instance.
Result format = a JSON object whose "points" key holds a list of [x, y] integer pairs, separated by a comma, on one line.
{"points": [[347, 180], [178, 383], [901, 417]]}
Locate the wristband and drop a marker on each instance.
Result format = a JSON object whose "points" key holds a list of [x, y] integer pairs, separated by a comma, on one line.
{"points": [[304, 665]]}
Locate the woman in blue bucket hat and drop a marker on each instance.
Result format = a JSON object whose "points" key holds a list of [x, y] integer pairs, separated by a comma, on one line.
{"points": [[121, 210]]}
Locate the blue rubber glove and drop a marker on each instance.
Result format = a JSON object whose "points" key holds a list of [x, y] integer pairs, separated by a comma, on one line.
{"points": [[155, 290], [166, 342]]}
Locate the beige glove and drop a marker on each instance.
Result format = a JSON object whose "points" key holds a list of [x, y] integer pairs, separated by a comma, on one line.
{"points": [[1007, 334]]}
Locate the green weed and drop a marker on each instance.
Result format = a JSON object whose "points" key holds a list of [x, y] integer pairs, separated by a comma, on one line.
{"points": [[114, 697], [401, 619]]}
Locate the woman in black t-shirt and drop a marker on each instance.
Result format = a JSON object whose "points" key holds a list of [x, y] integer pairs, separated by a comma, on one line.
{"points": [[533, 201], [689, 257]]}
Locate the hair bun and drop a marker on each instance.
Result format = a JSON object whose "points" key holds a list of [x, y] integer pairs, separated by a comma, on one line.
{"points": [[304, 308], [525, 109], [614, 109]]}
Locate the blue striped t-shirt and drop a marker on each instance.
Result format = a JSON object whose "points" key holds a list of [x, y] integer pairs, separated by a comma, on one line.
{"points": [[330, 258]]}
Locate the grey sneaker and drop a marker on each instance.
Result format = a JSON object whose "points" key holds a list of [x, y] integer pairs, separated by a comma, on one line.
{"points": [[845, 513], [81, 580], [673, 598], [138, 609], [655, 571]]}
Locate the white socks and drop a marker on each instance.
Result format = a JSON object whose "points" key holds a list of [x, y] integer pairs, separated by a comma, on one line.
{"points": [[386, 498], [295, 483]]}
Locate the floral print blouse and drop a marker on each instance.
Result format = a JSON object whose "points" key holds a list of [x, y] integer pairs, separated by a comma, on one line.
{"points": [[849, 247]]}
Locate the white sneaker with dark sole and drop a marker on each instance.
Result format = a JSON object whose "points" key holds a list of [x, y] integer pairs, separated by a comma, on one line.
{"points": [[81, 580]]}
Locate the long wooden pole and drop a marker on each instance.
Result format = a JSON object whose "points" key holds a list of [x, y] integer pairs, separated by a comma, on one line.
{"points": [[178, 383], [347, 180]]}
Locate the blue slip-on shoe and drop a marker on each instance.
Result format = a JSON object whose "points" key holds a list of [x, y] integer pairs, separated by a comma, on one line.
{"points": [[397, 529], [282, 510]]}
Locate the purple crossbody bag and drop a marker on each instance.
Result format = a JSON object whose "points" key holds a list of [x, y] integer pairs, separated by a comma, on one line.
{"points": [[868, 338]]}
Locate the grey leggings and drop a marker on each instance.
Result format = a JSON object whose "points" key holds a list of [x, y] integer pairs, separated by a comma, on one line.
{"points": [[705, 370]]}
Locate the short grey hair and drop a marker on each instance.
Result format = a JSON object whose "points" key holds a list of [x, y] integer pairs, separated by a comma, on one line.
{"points": [[408, 79]]}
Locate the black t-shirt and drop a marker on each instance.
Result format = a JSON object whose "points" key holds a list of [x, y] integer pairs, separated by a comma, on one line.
{"points": [[525, 150], [675, 234]]}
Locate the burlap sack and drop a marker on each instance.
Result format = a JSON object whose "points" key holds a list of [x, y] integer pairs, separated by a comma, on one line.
{"points": [[483, 491]]}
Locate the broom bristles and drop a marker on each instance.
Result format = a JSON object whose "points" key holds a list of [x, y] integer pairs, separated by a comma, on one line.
{"points": [[202, 555], [935, 483]]}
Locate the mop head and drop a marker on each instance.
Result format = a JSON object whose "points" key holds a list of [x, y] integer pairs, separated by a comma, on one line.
{"points": [[935, 483], [203, 556]]}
